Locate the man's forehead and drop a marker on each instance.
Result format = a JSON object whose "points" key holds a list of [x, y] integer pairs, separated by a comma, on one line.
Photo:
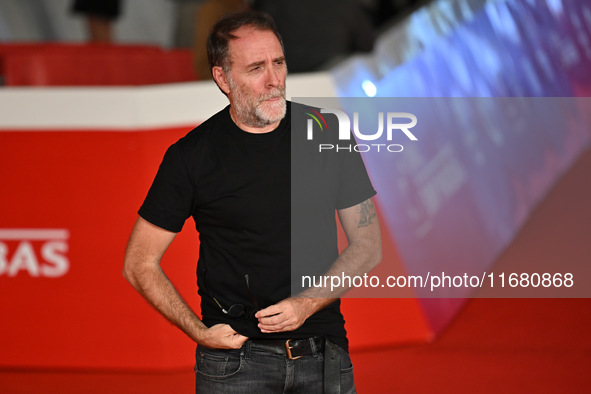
{"points": [[250, 38], [246, 30]]}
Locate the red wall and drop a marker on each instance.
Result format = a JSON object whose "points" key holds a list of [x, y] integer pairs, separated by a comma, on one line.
{"points": [[84, 314]]}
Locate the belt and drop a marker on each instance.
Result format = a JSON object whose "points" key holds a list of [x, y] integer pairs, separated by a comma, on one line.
{"points": [[296, 348], [291, 348]]}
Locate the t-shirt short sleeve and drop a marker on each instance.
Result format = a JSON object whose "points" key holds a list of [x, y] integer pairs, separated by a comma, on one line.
{"points": [[354, 184], [170, 199]]}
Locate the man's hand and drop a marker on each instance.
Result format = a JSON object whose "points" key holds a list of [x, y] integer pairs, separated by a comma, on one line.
{"points": [[222, 336], [289, 314]]}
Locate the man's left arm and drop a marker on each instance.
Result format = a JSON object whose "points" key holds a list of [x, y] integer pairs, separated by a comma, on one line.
{"points": [[364, 252]]}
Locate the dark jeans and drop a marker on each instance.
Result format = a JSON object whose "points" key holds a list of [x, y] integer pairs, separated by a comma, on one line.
{"points": [[254, 371]]}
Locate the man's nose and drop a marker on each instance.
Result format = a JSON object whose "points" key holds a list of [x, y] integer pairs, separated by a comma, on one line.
{"points": [[273, 77]]}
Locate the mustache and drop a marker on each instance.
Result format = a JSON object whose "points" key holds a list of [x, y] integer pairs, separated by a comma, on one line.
{"points": [[275, 92]]}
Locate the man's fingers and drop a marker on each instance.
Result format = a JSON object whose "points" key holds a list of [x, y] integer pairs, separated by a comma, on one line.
{"points": [[272, 327], [233, 336], [277, 323], [239, 340], [223, 329], [277, 328], [223, 336], [268, 329], [269, 311], [279, 317], [273, 319]]}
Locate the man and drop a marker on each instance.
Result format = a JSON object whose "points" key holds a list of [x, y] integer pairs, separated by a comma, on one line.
{"points": [[233, 174]]}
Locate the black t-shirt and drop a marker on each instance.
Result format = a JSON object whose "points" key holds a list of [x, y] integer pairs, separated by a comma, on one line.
{"points": [[252, 197]]}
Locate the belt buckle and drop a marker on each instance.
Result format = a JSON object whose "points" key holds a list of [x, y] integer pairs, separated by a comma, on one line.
{"points": [[288, 348]]}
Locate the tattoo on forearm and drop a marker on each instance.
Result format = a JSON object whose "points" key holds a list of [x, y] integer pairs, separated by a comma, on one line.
{"points": [[367, 212]]}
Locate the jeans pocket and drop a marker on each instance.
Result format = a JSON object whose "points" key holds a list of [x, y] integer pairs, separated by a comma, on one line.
{"points": [[346, 364], [347, 378], [217, 364]]}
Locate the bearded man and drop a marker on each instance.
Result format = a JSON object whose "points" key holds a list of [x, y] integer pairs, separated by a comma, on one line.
{"points": [[233, 175]]}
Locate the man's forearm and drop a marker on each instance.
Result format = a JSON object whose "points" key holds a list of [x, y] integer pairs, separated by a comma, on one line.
{"points": [[145, 249], [156, 288], [363, 253], [357, 259]]}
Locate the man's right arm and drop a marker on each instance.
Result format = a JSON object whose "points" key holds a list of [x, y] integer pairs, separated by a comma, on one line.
{"points": [[145, 249]]}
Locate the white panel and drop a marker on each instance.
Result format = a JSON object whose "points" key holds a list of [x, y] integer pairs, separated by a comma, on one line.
{"points": [[130, 107]]}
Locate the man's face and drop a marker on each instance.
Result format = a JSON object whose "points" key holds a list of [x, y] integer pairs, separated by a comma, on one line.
{"points": [[256, 79]]}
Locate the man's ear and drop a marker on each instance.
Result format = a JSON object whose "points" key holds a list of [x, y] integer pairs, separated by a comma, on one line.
{"points": [[220, 78]]}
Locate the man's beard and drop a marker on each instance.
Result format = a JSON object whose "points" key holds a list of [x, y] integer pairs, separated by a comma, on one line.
{"points": [[256, 111]]}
